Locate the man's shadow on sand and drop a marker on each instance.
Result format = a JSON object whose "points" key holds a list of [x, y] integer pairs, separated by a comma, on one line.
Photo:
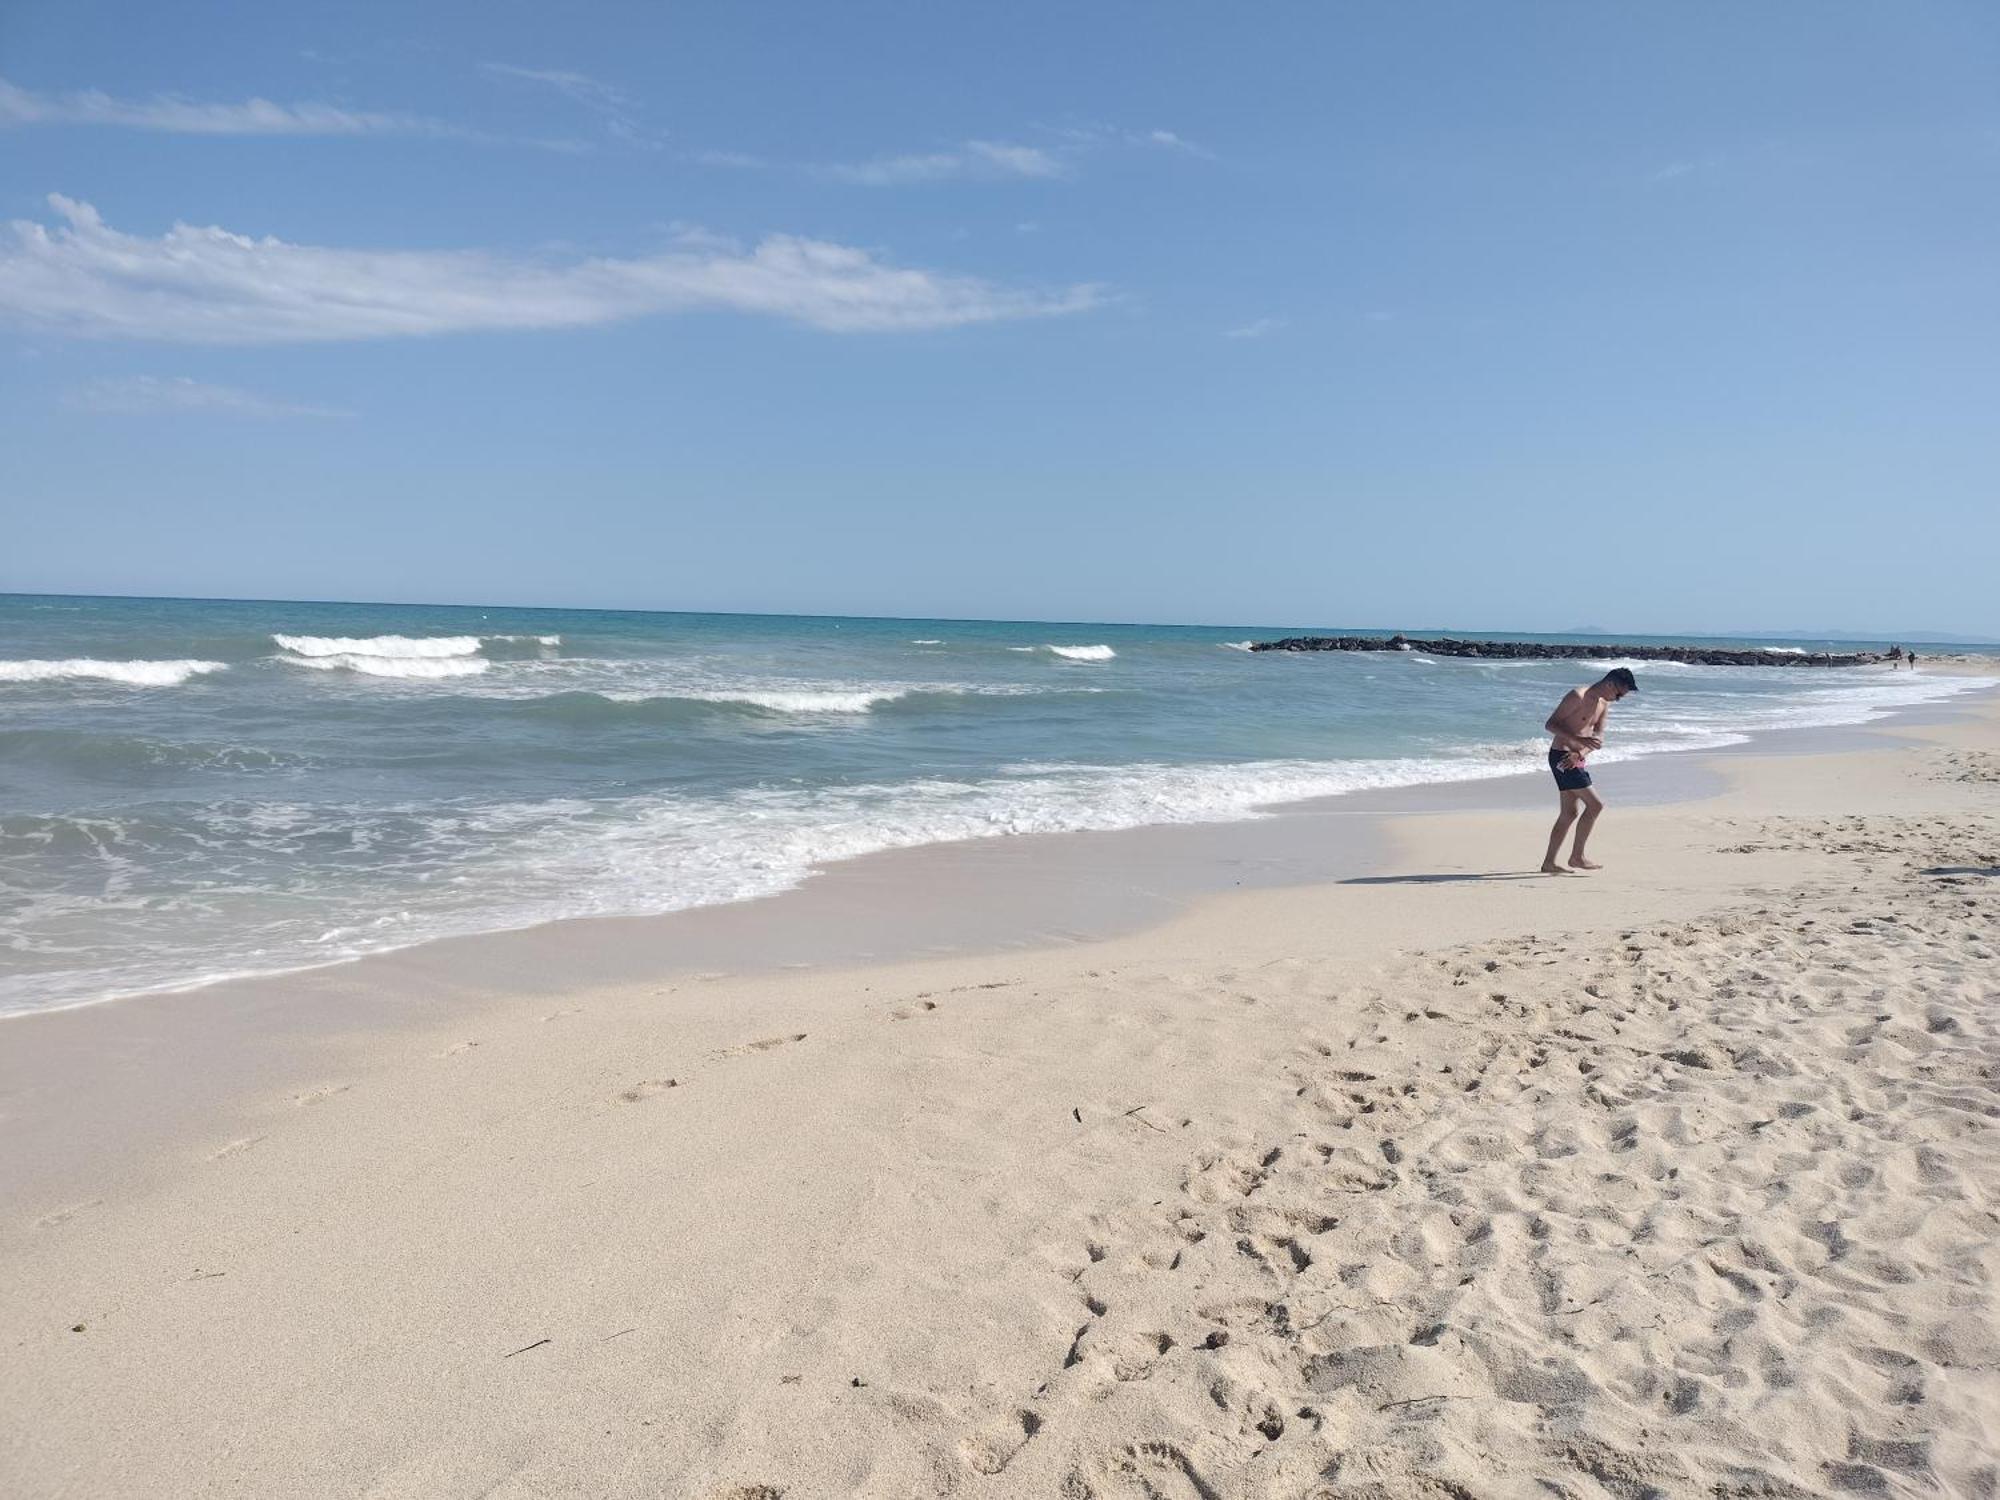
{"points": [[1444, 879], [1989, 870]]}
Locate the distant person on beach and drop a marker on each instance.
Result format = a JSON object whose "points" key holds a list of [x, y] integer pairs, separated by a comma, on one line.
{"points": [[1911, 658], [1578, 727]]}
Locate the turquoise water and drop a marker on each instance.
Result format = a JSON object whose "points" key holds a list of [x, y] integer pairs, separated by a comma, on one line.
{"points": [[191, 789]]}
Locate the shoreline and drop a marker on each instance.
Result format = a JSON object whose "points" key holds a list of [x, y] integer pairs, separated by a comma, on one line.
{"points": [[831, 1230], [1266, 843], [177, 1062]]}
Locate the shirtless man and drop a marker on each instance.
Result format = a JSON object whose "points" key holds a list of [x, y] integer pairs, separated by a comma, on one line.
{"points": [[1578, 727]]}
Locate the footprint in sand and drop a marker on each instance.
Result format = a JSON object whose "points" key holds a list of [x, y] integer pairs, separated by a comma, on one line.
{"points": [[242, 1143], [988, 1450], [324, 1092], [1160, 1471], [64, 1215], [763, 1046], [1132, 1357], [457, 1047], [646, 1088]]}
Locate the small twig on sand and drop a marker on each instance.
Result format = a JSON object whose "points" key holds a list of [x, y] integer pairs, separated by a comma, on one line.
{"points": [[526, 1347], [1133, 1114]]}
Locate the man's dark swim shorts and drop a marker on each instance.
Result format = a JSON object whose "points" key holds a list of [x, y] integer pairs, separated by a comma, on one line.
{"points": [[1568, 781]]}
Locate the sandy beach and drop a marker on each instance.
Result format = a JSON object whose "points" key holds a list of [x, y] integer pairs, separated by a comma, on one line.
{"points": [[1438, 1181]]}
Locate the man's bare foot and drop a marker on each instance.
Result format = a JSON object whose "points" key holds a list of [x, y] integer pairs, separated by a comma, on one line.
{"points": [[1550, 867], [1578, 862]]}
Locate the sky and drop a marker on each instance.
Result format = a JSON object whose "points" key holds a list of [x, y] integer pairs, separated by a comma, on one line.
{"points": [[1497, 316]]}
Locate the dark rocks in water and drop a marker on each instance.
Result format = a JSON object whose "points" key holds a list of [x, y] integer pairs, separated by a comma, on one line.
{"points": [[1706, 656]]}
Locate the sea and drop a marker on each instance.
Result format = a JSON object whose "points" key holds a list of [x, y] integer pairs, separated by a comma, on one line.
{"points": [[199, 789]]}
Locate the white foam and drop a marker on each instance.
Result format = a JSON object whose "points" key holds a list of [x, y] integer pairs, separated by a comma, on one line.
{"points": [[395, 666], [1084, 653], [401, 646], [801, 701], [818, 698], [1235, 645], [132, 673], [926, 643], [669, 852]]}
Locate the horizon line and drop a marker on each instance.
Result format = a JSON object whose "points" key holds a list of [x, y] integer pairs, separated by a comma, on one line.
{"points": [[1921, 637]]}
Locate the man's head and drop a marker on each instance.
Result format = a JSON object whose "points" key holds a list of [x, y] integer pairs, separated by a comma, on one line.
{"points": [[1617, 683]]}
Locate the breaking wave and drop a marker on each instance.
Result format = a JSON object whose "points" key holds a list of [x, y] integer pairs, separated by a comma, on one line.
{"points": [[787, 701], [395, 666], [402, 647], [405, 646], [1084, 653], [131, 673]]}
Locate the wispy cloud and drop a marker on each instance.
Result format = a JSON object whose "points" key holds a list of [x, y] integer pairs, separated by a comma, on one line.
{"points": [[591, 92], [174, 114], [1091, 135], [987, 159], [178, 393], [1672, 170], [1171, 141], [1257, 329], [703, 156], [617, 109], [197, 285]]}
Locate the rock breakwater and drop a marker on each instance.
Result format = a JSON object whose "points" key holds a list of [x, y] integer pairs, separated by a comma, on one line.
{"points": [[1707, 656]]}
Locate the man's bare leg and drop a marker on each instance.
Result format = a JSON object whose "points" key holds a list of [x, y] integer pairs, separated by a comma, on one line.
{"points": [[1592, 806], [1571, 805]]}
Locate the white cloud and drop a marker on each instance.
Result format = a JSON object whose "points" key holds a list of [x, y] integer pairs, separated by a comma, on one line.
{"points": [[152, 393], [210, 286], [973, 159], [893, 171], [1173, 142], [171, 113], [1256, 329], [1014, 161]]}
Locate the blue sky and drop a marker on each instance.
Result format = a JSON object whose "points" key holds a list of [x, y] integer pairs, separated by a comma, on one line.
{"points": [[1489, 315]]}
